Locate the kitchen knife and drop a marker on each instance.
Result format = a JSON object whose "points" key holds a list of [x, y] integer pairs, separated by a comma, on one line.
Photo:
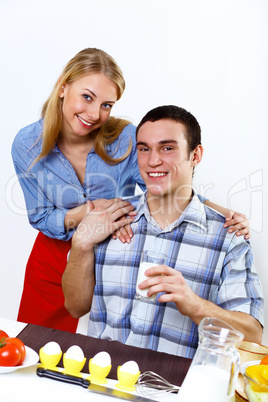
{"points": [[85, 383]]}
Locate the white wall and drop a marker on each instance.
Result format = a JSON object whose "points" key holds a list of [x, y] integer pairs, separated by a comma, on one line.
{"points": [[209, 56]]}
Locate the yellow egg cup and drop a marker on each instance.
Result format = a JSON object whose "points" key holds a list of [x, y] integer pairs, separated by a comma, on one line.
{"points": [[98, 374], [49, 361], [126, 380], [73, 366]]}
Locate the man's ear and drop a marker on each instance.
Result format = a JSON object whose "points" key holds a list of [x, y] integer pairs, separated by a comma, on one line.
{"points": [[196, 155]]}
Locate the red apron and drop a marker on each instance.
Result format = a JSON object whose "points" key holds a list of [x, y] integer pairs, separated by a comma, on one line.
{"points": [[42, 301]]}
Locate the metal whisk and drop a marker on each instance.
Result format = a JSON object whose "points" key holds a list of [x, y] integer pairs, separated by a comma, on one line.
{"points": [[150, 383]]}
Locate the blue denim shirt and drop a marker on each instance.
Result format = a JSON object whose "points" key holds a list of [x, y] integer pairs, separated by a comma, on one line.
{"points": [[51, 186]]}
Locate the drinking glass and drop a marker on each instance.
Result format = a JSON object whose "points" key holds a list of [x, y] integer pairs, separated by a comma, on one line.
{"points": [[148, 259]]}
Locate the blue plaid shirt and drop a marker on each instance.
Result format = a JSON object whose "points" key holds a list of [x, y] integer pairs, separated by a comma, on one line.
{"points": [[217, 266]]}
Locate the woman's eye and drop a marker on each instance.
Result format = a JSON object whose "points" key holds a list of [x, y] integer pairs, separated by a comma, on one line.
{"points": [[87, 97], [107, 106]]}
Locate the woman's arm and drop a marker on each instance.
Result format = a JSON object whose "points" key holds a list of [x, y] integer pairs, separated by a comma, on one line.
{"points": [[43, 215], [75, 215], [235, 221]]}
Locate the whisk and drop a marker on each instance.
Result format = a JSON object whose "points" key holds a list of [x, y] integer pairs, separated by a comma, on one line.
{"points": [[152, 384]]}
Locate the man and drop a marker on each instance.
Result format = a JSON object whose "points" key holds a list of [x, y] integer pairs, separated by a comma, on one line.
{"points": [[209, 271]]}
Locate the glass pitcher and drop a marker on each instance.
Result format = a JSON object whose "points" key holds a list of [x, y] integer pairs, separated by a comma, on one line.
{"points": [[214, 370]]}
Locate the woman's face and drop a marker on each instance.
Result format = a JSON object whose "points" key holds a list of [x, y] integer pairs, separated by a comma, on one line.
{"points": [[87, 104]]}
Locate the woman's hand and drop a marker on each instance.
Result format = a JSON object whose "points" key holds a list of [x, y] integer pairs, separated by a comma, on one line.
{"points": [[237, 221], [75, 215], [102, 221], [234, 220], [125, 233]]}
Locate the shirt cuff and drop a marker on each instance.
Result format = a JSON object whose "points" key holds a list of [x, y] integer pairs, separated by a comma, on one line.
{"points": [[54, 226]]}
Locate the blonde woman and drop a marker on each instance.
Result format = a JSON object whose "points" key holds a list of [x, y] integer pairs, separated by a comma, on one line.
{"points": [[76, 157]]}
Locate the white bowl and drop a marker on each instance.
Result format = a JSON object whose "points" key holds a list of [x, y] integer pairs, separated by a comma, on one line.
{"points": [[31, 358]]}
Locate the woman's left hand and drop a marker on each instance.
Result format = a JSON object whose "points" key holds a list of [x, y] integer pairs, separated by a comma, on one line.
{"points": [[237, 221], [125, 233]]}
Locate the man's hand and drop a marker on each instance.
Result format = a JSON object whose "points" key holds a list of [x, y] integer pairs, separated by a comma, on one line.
{"points": [[99, 223], [162, 278]]}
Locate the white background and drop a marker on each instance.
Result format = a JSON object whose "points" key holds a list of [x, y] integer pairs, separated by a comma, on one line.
{"points": [[208, 56]]}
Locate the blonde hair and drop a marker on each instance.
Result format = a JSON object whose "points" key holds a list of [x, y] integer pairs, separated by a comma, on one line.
{"points": [[87, 61]]}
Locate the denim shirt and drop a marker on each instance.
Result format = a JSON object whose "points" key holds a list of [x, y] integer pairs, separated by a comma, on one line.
{"points": [[51, 186]]}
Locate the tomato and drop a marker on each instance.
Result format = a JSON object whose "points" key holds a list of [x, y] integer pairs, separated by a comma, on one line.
{"points": [[3, 334], [12, 350], [20, 346], [9, 355], [264, 360]]}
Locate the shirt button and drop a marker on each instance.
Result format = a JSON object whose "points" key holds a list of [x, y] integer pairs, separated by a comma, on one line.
{"points": [[84, 195]]}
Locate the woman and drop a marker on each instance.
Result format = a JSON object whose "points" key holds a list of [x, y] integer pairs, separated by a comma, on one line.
{"points": [[75, 157]]}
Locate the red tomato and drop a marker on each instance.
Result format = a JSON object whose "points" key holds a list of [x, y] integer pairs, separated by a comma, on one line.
{"points": [[9, 355], [20, 346], [3, 334]]}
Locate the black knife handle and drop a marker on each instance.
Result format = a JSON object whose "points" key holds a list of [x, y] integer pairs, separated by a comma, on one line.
{"points": [[60, 376]]}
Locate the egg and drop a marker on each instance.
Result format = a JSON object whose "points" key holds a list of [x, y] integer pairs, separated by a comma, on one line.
{"points": [[75, 353], [50, 355], [130, 367], [52, 348], [127, 375], [102, 359]]}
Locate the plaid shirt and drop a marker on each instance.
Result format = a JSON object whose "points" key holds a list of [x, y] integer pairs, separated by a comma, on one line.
{"points": [[217, 266]]}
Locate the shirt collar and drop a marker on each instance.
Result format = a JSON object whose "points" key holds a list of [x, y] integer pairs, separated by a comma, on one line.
{"points": [[56, 149], [194, 213]]}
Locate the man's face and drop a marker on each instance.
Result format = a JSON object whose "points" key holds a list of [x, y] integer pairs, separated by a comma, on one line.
{"points": [[164, 161]]}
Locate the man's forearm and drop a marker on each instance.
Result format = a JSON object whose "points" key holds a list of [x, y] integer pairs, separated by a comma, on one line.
{"points": [[78, 281], [242, 322]]}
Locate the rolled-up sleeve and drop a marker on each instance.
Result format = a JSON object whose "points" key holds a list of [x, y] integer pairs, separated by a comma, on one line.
{"points": [[241, 288], [42, 214]]}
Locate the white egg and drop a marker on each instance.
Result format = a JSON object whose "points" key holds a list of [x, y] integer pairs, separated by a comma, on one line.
{"points": [[102, 359], [130, 367], [52, 348], [75, 353]]}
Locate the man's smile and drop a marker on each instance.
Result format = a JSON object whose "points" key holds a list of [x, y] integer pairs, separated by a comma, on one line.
{"points": [[157, 174]]}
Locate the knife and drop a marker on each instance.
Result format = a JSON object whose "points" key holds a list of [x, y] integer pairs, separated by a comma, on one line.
{"points": [[85, 383]]}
